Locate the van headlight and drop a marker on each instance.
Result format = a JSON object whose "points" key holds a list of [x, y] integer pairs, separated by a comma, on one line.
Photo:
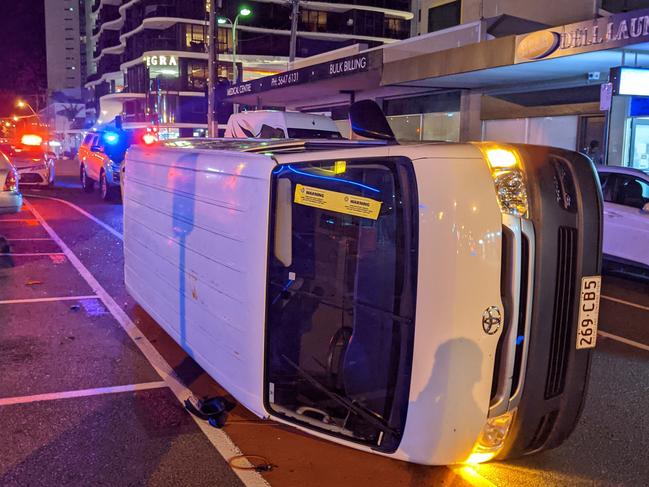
{"points": [[492, 438], [509, 178]]}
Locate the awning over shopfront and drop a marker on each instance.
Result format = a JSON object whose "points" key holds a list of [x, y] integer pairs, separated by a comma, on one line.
{"points": [[348, 74]]}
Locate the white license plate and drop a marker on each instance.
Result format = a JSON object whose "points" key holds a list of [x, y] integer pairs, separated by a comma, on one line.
{"points": [[588, 311]]}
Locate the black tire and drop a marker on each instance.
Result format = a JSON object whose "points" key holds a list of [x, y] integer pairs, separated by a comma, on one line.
{"points": [[107, 192], [87, 184]]}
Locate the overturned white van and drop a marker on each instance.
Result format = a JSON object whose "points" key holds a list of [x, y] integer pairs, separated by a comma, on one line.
{"points": [[434, 303]]}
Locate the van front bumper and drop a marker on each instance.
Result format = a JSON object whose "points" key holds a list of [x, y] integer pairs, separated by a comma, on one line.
{"points": [[565, 208]]}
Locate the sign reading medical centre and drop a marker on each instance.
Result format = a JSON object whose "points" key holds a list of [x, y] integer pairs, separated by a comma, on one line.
{"points": [[610, 32], [332, 69]]}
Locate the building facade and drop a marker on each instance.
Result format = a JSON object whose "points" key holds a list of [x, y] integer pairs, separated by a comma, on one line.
{"points": [[65, 45], [147, 59]]}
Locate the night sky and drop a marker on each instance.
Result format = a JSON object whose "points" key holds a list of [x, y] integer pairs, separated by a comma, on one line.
{"points": [[22, 51]]}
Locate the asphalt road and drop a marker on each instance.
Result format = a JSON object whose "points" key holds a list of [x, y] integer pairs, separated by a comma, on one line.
{"points": [[127, 425]]}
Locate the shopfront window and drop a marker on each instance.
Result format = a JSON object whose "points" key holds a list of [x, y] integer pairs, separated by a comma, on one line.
{"points": [[341, 297], [639, 150], [196, 75]]}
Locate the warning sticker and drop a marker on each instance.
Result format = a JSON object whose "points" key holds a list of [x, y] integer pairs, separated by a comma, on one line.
{"points": [[338, 202]]}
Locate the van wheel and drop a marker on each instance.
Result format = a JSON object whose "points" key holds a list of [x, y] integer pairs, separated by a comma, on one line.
{"points": [[108, 193], [87, 184]]}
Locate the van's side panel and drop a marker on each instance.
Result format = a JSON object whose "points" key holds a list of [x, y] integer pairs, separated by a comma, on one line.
{"points": [[459, 278], [196, 239]]}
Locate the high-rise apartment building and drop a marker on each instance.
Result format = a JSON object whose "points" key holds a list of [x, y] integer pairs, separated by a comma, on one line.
{"points": [[64, 42], [147, 59]]}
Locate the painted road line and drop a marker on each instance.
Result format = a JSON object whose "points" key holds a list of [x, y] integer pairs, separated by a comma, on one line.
{"points": [[105, 226], [48, 300], [44, 239], [53, 396], [35, 254], [221, 441], [626, 341], [470, 475], [628, 303]]}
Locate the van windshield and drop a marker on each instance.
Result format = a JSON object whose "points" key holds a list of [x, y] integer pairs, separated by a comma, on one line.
{"points": [[341, 297]]}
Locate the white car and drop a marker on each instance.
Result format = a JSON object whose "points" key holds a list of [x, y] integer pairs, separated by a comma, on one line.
{"points": [[626, 215], [11, 200], [33, 162]]}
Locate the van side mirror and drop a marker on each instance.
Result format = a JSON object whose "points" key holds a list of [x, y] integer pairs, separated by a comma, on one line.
{"points": [[95, 148], [645, 208]]}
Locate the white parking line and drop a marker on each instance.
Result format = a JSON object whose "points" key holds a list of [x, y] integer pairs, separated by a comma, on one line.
{"points": [[626, 341], [221, 441], [34, 254], [105, 226], [53, 396], [48, 300], [29, 239], [628, 303]]}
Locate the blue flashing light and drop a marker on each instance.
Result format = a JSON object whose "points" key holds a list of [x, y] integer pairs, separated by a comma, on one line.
{"points": [[337, 180], [111, 138], [520, 339]]}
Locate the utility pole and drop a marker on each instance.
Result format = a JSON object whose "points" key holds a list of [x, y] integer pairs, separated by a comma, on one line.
{"points": [[212, 65], [295, 4]]}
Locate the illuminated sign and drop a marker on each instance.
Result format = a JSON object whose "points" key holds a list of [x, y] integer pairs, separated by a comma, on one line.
{"points": [[162, 66], [610, 32], [161, 60], [630, 81]]}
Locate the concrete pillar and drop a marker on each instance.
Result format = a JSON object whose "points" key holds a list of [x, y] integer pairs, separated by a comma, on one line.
{"points": [[470, 123], [618, 136]]}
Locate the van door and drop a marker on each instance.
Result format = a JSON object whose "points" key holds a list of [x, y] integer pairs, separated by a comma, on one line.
{"points": [[341, 297]]}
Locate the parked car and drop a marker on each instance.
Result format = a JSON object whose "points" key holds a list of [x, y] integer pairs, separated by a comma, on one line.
{"points": [[11, 200], [101, 155], [31, 159], [626, 216], [433, 303]]}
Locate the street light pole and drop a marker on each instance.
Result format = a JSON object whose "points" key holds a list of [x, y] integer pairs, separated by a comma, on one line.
{"points": [[235, 74], [294, 18], [212, 64]]}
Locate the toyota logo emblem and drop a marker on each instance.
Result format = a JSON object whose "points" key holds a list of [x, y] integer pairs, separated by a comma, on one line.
{"points": [[491, 320]]}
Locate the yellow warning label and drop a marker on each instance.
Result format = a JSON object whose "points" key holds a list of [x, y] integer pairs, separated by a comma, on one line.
{"points": [[338, 202]]}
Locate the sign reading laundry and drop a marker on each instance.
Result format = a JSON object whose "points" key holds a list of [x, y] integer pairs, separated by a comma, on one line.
{"points": [[609, 32], [338, 202]]}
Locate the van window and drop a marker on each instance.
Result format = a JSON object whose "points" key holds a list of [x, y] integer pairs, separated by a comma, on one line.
{"points": [[341, 298], [295, 133]]}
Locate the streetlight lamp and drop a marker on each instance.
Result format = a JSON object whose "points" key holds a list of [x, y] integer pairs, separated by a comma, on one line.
{"points": [[243, 12]]}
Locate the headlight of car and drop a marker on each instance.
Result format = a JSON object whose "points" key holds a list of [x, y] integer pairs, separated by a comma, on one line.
{"points": [[509, 178]]}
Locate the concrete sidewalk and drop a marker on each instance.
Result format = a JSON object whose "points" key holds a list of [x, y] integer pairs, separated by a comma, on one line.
{"points": [[67, 167]]}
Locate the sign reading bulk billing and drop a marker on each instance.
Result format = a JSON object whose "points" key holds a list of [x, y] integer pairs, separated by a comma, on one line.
{"points": [[593, 35]]}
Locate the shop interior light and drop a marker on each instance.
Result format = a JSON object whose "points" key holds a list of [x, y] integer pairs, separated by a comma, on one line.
{"points": [[31, 139]]}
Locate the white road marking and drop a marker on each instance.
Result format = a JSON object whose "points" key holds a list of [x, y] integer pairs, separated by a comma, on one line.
{"points": [[470, 475], [47, 239], [48, 300], [53, 396], [628, 303], [221, 441], [626, 341], [105, 226], [34, 254]]}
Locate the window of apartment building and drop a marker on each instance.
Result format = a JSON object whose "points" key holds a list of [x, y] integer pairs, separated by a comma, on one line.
{"points": [[313, 20], [397, 28], [195, 36], [196, 75], [444, 16], [224, 37]]}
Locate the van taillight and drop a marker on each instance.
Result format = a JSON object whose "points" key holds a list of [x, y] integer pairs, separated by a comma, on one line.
{"points": [[11, 182]]}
